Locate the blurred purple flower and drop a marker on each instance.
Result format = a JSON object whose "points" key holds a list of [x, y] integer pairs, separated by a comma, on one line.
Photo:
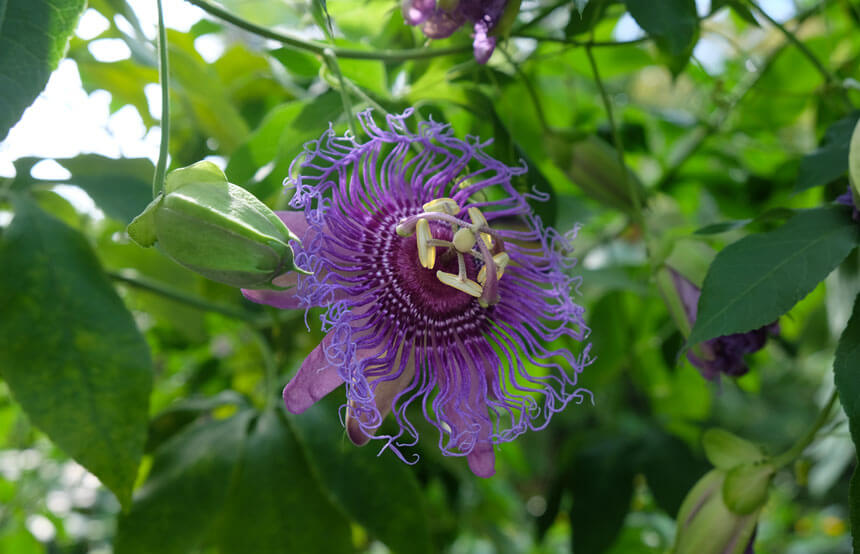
{"points": [[847, 199], [725, 354], [439, 19], [442, 290]]}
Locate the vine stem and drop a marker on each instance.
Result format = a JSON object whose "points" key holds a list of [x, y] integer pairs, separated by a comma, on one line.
{"points": [[164, 77], [179, 296], [697, 137], [829, 77], [795, 451], [617, 141], [319, 48], [331, 62]]}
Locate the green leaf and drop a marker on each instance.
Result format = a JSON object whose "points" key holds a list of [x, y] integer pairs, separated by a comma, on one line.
{"points": [[674, 25], [589, 14], [298, 63], [580, 5], [34, 35], [183, 412], [760, 277], [372, 489], [242, 484], [69, 349], [177, 507], [846, 374], [602, 490], [830, 160], [121, 188], [276, 504], [736, 6]]}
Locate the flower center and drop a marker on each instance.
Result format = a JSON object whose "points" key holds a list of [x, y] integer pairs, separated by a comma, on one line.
{"points": [[459, 238]]}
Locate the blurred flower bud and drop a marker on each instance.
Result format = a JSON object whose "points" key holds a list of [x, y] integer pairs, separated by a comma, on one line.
{"points": [[707, 526], [854, 164], [596, 170], [216, 229]]}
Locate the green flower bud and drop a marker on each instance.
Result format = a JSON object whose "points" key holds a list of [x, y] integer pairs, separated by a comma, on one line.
{"points": [[727, 451], [216, 229], [707, 526], [854, 164]]}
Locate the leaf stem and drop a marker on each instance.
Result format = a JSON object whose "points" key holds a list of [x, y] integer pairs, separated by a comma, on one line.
{"points": [[319, 48], [164, 78], [270, 367], [795, 451], [150, 285]]}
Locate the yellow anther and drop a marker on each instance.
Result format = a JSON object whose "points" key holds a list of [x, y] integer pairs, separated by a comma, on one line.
{"points": [[444, 205], [464, 240], [403, 230], [477, 217], [478, 221], [501, 260], [426, 253], [468, 286]]}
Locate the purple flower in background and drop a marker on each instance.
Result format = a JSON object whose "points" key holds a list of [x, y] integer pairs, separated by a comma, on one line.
{"points": [[847, 199], [725, 354], [442, 290], [439, 19]]}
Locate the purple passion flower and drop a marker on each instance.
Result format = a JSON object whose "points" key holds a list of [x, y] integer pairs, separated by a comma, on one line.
{"points": [[442, 290], [725, 354], [439, 19], [847, 199]]}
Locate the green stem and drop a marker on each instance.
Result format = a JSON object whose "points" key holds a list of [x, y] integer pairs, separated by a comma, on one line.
{"points": [[271, 370], [319, 48], [829, 77], [632, 190], [332, 65], [585, 43], [164, 78], [795, 451], [179, 296]]}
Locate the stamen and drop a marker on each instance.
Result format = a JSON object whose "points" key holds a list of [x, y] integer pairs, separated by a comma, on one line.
{"points": [[501, 260], [478, 222], [467, 285], [444, 205], [464, 240], [426, 253]]}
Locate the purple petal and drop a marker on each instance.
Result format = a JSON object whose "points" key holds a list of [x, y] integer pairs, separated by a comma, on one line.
{"points": [[483, 44], [283, 299], [315, 379], [482, 459], [295, 222], [384, 395]]}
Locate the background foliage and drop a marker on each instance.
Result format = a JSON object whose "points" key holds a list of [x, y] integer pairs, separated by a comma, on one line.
{"points": [[139, 403]]}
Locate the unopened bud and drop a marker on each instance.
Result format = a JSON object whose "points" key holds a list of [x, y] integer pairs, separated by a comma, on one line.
{"points": [[707, 526], [216, 229], [854, 164]]}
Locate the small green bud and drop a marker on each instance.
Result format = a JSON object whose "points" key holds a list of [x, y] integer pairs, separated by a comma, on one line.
{"points": [[707, 526], [746, 487], [727, 451], [216, 229]]}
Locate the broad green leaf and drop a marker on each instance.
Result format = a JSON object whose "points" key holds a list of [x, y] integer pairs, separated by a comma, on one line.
{"points": [[674, 24], [69, 349], [602, 490], [760, 277], [372, 489], [183, 412], [586, 17], [34, 35], [580, 5], [298, 63], [830, 160], [276, 503], [177, 508], [121, 188], [736, 6], [846, 374]]}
